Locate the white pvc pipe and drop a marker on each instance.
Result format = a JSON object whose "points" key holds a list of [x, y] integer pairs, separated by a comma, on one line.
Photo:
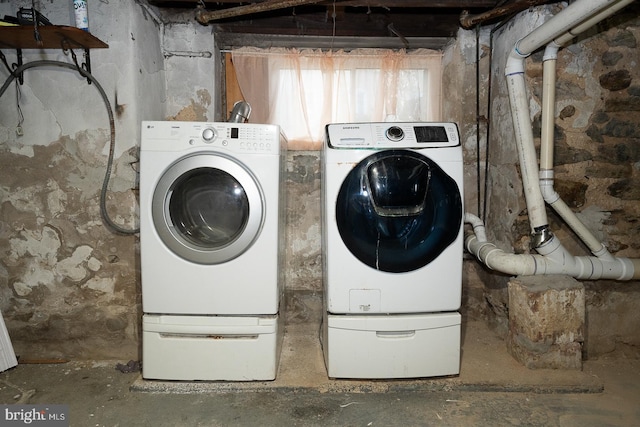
{"points": [[569, 18], [585, 25], [546, 155], [559, 25], [526, 151], [548, 106], [566, 213], [553, 259]]}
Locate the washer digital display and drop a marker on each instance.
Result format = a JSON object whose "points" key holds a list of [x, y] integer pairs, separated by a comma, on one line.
{"points": [[431, 134]]}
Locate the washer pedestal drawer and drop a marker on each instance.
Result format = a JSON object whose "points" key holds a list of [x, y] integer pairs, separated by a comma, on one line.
{"points": [[392, 346], [210, 348]]}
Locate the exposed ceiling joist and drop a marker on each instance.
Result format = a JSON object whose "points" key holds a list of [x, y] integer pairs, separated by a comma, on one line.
{"points": [[468, 21], [470, 4], [348, 18], [207, 16], [204, 17]]}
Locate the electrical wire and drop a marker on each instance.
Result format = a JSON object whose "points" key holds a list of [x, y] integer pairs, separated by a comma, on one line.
{"points": [[333, 21], [20, 115], [478, 160], [112, 142], [489, 101]]}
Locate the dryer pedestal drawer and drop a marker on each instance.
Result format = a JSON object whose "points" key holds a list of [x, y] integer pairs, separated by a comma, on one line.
{"points": [[392, 346], [210, 348]]}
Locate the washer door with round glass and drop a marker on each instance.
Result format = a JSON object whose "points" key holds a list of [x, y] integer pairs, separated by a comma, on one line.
{"points": [[397, 210], [208, 208]]}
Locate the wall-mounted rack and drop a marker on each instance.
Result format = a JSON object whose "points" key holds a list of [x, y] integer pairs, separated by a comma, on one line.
{"points": [[47, 37]]}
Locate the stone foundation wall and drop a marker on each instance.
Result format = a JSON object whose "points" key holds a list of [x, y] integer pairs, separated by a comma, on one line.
{"points": [[597, 165]]}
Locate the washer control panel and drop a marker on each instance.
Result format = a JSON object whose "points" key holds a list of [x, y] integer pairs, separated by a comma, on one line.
{"points": [[233, 137], [392, 135]]}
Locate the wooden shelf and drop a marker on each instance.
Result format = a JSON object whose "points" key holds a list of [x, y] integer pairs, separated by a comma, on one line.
{"points": [[53, 37]]}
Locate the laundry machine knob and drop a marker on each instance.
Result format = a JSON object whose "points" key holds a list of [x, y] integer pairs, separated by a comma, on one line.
{"points": [[394, 133], [208, 134]]}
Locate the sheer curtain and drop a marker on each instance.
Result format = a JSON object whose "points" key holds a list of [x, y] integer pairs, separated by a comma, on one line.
{"points": [[303, 90]]}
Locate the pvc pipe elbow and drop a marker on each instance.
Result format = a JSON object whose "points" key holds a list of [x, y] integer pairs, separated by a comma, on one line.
{"points": [[515, 62], [553, 250], [549, 194], [551, 51], [478, 226], [541, 236]]}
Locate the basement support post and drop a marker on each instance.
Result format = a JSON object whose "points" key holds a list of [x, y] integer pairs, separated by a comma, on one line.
{"points": [[546, 321]]}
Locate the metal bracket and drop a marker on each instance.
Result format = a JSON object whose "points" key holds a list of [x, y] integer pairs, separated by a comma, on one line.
{"points": [[18, 65], [85, 66]]}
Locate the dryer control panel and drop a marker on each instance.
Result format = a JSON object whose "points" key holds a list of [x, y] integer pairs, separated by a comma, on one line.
{"points": [[392, 135], [233, 137]]}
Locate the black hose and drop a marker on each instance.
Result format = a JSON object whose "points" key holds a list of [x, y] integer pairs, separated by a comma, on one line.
{"points": [[105, 183]]}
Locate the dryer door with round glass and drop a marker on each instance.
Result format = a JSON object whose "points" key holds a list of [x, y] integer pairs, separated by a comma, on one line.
{"points": [[397, 210], [208, 208]]}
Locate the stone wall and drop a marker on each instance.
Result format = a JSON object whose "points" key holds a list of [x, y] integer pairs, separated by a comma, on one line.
{"points": [[303, 253], [465, 92], [597, 163]]}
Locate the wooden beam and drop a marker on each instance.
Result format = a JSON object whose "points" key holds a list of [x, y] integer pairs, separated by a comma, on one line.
{"points": [[432, 4], [468, 21], [458, 4], [204, 17]]}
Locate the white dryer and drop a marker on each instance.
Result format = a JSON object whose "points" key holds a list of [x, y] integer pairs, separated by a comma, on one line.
{"points": [[393, 245], [211, 240]]}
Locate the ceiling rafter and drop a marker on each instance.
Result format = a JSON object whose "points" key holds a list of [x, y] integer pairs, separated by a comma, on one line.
{"points": [[364, 18], [204, 16], [355, 3]]}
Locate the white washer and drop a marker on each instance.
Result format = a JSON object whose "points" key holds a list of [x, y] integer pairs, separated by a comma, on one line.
{"points": [[392, 221], [211, 240]]}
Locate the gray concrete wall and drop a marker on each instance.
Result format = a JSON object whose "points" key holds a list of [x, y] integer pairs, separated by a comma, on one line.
{"points": [[69, 287]]}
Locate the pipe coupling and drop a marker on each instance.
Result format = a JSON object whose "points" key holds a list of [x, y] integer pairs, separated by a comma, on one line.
{"points": [[540, 236]]}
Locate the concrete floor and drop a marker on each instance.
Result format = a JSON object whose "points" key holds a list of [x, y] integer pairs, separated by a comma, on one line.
{"points": [[492, 389]]}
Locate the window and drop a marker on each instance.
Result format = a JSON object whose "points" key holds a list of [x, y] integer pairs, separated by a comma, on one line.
{"points": [[302, 91]]}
